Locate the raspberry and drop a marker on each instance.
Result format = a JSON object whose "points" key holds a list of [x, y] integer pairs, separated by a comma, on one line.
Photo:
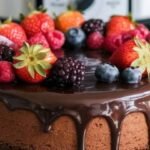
{"points": [[143, 30], [39, 38], [95, 40], [56, 39], [112, 43], [6, 72]]}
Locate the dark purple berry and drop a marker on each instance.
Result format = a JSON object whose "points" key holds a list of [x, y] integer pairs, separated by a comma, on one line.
{"points": [[67, 72], [6, 53], [93, 25]]}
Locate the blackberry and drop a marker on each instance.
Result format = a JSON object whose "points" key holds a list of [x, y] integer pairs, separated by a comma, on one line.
{"points": [[67, 72], [93, 25], [6, 53]]}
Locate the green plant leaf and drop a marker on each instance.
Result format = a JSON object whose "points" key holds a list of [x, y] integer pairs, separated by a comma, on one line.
{"points": [[20, 65], [40, 70], [31, 71], [20, 57]]}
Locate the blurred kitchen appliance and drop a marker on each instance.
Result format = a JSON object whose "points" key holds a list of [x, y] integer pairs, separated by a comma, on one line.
{"points": [[92, 8]]}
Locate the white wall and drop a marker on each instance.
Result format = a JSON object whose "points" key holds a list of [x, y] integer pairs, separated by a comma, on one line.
{"points": [[13, 7], [141, 9]]}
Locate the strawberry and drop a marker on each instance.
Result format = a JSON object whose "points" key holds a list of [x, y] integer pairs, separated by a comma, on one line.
{"points": [[133, 53], [13, 32], [118, 25], [32, 63], [38, 38], [37, 21]]}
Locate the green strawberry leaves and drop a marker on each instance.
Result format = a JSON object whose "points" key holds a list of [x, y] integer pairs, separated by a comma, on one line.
{"points": [[34, 58], [143, 61]]}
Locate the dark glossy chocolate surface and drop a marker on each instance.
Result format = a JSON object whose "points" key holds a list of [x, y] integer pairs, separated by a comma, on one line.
{"points": [[93, 99]]}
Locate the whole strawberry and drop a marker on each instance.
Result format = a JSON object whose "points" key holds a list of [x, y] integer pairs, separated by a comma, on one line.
{"points": [[6, 72], [33, 63], [13, 32], [118, 25], [38, 38], [37, 21], [133, 53]]}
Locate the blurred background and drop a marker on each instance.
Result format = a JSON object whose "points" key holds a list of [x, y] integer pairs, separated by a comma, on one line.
{"points": [[92, 8]]}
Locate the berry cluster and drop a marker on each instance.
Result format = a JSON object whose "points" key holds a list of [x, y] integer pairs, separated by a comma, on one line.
{"points": [[108, 73], [32, 49]]}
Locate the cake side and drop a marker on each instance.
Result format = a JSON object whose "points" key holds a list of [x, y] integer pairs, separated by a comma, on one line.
{"points": [[112, 114]]}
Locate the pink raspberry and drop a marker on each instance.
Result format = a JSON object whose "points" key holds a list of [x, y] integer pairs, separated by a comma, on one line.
{"points": [[95, 40], [143, 30], [38, 38], [56, 39], [6, 72], [112, 43]]}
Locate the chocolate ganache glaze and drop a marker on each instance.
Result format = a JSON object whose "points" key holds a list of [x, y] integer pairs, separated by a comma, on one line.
{"points": [[94, 99]]}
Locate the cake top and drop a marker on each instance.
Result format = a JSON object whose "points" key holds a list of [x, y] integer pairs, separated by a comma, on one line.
{"points": [[69, 54]]}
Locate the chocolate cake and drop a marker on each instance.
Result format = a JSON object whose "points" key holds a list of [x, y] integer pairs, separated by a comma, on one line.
{"points": [[96, 116]]}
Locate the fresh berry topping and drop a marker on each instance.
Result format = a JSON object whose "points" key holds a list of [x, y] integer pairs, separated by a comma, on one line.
{"points": [[131, 75], [6, 72], [131, 34], [56, 39], [133, 53], [112, 43], [95, 40], [6, 41], [6, 53], [148, 38], [37, 21], [67, 72], [118, 25], [13, 32], [143, 30], [33, 63], [75, 37], [93, 25], [69, 19], [38, 38], [107, 73]]}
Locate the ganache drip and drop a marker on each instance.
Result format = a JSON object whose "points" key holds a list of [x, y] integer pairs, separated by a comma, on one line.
{"points": [[114, 112]]}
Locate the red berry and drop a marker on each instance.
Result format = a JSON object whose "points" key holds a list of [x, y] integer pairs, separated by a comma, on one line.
{"points": [[38, 38], [143, 30], [95, 40], [13, 32], [6, 72], [112, 43], [36, 22], [56, 39]]}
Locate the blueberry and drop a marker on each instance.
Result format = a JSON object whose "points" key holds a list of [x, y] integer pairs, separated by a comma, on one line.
{"points": [[107, 73], [75, 37], [131, 75]]}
